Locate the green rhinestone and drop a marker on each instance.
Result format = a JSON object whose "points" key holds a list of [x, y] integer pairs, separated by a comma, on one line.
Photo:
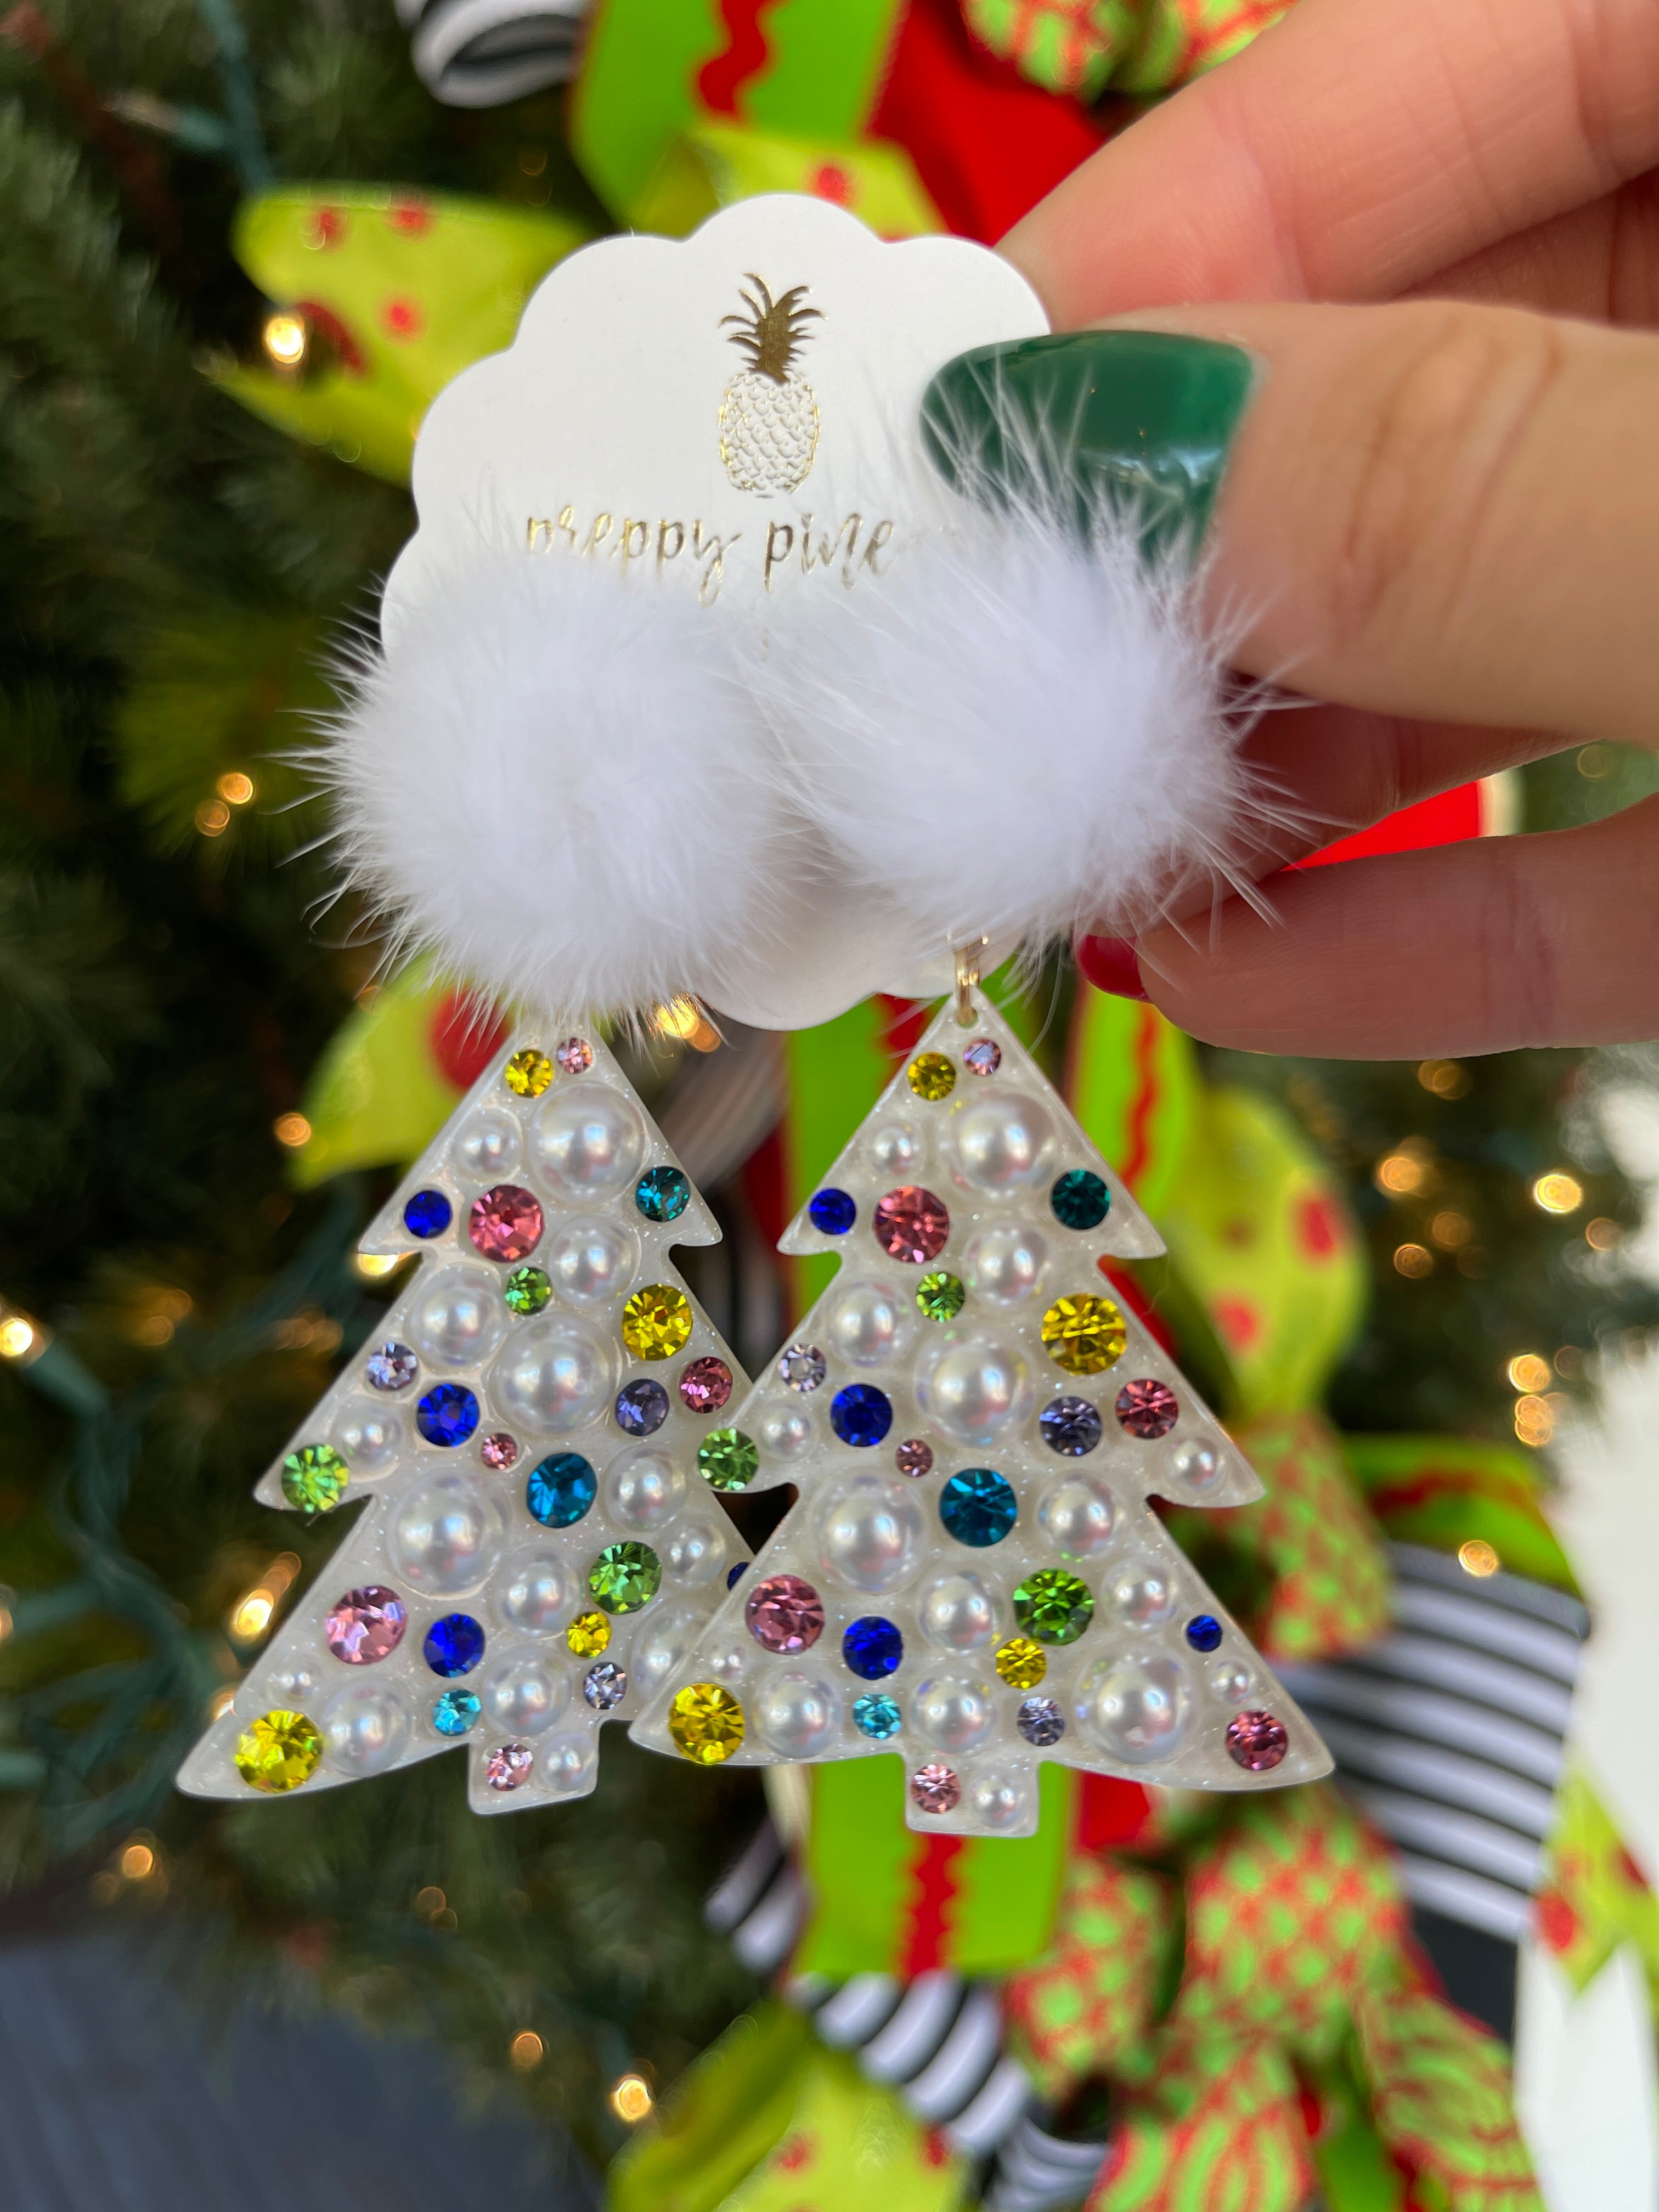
{"points": [[728, 1459], [625, 1577], [314, 1477], [527, 1290], [1054, 1607], [940, 1296]]}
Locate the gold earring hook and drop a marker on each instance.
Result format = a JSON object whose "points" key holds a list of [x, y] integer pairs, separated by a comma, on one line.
{"points": [[968, 980]]}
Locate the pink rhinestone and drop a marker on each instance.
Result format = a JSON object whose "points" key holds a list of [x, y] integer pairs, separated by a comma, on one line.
{"points": [[914, 1457], [1256, 1741], [935, 1789], [1147, 1408], [506, 1222], [365, 1625], [784, 1614], [499, 1451], [912, 1225], [982, 1057], [508, 1764], [706, 1385], [575, 1055]]}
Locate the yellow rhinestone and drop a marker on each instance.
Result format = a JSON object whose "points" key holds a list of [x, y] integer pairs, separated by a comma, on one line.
{"points": [[528, 1073], [588, 1635], [1021, 1663], [656, 1322], [931, 1075], [1084, 1334], [706, 1722], [279, 1750]]}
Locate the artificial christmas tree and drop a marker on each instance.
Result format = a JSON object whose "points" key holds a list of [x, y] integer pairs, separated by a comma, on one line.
{"points": [[536, 1547], [978, 1617]]}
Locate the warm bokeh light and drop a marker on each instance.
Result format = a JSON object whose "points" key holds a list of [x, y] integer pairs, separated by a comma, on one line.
{"points": [[526, 2050], [17, 1336], [631, 2099], [222, 1701], [284, 339], [213, 818], [251, 1616], [1405, 1170], [137, 1861], [372, 1266], [292, 1130], [684, 1019], [1534, 1421], [1528, 1370], [1451, 1230], [1445, 1078], [8, 1610], [1602, 1235], [235, 788], [1413, 1261], [1477, 1557], [1557, 1194]]}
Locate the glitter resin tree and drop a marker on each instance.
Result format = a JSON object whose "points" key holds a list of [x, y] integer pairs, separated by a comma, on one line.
{"points": [[528, 1429], [973, 1575]]}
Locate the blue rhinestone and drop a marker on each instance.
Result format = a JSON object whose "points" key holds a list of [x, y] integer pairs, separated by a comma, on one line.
{"points": [[447, 1414], [833, 1211], [872, 1647], [429, 1213], [641, 1407], [454, 1644], [860, 1414], [735, 1574], [1080, 1200], [454, 1711], [876, 1715], [560, 1490], [1203, 1631], [1041, 1722], [978, 1506], [1071, 1427], [662, 1194]]}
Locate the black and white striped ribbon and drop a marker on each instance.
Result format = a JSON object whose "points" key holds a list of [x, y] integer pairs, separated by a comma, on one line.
{"points": [[482, 53], [1450, 1732]]}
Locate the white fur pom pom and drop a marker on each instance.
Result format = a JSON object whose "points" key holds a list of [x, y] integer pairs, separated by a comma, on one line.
{"points": [[1018, 732], [554, 785]]}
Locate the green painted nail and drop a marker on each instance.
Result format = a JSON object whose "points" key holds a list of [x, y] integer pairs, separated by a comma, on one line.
{"points": [[1137, 421]]}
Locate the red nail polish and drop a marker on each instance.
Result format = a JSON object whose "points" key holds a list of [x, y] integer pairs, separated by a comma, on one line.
{"points": [[1111, 964]]}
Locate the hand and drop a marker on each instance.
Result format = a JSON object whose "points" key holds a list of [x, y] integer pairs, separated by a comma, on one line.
{"points": [[1446, 518]]}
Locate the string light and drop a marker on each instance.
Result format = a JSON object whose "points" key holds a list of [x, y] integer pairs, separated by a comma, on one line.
{"points": [[526, 2050], [1557, 1194], [213, 818], [1413, 1261], [1528, 1370], [372, 1266], [1407, 1169], [1445, 1078], [1477, 1557], [285, 339], [631, 2098], [252, 1614], [137, 1861], [234, 788], [1451, 1230], [683, 1018], [292, 1130], [1602, 1235], [1534, 1421], [22, 1338]]}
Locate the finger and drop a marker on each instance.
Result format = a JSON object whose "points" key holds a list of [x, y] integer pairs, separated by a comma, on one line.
{"points": [[1473, 948], [1353, 151], [1444, 512], [1600, 261]]}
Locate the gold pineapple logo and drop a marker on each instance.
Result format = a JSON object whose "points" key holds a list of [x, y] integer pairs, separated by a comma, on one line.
{"points": [[769, 414]]}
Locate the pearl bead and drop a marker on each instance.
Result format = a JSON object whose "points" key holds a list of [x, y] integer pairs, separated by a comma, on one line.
{"points": [[589, 1141], [556, 1376], [957, 1613], [974, 1388], [1005, 1264], [868, 1322], [447, 1533], [1142, 1593], [1136, 1710], [727, 1666], [796, 1715], [997, 1802], [365, 1728], [694, 1556], [289, 1686], [1001, 1143], [487, 1145], [643, 1489], [368, 1439], [458, 1319], [953, 1713], [783, 1431], [568, 1765], [1196, 1463], [535, 1592], [870, 1533], [895, 1150], [526, 1695], [1078, 1514], [1231, 1681], [663, 1642], [592, 1260]]}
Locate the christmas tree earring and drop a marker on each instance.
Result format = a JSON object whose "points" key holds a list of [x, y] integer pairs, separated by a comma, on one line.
{"points": [[528, 1429], [977, 1423]]}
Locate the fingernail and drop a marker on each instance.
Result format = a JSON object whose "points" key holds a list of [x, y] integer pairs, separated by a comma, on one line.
{"points": [[1140, 421], [1111, 964]]}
